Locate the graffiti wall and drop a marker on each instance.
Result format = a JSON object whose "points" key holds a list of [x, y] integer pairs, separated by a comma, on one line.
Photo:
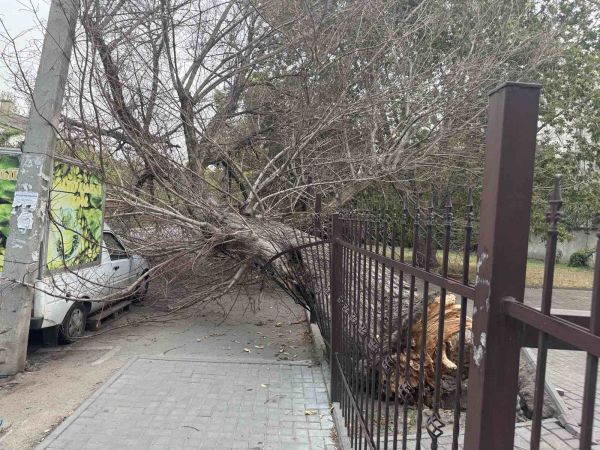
{"points": [[76, 207], [9, 168]]}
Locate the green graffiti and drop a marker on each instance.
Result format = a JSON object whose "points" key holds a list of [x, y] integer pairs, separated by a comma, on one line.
{"points": [[9, 168], [76, 204]]}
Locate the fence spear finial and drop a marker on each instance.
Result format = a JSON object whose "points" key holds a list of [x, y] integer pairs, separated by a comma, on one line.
{"points": [[448, 204], [554, 214], [431, 209], [557, 194], [469, 208], [448, 207]]}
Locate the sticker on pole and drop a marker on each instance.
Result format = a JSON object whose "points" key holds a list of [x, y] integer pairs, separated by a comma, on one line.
{"points": [[25, 198], [25, 220]]}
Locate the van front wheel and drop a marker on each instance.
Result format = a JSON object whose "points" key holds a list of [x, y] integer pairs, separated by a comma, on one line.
{"points": [[73, 325]]}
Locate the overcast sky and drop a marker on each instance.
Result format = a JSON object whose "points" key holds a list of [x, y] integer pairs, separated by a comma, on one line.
{"points": [[22, 21]]}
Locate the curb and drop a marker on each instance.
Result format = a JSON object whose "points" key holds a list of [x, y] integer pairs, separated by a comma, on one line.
{"points": [[320, 350], [318, 342], [342, 432], [235, 360]]}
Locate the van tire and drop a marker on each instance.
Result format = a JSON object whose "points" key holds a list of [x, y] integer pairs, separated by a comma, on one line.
{"points": [[142, 290], [73, 326]]}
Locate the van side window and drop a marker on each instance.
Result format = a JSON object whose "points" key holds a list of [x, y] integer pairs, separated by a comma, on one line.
{"points": [[114, 247]]}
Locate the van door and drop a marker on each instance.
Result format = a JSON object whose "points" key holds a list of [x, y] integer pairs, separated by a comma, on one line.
{"points": [[101, 277], [120, 263]]}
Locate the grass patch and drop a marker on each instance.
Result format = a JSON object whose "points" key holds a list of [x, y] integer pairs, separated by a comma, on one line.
{"points": [[564, 276]]}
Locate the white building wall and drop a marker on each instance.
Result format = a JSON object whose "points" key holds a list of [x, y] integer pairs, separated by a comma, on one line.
{"points": [[581, 240]]}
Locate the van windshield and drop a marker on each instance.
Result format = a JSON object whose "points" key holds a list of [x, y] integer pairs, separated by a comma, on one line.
{"points": [[114, 247]]}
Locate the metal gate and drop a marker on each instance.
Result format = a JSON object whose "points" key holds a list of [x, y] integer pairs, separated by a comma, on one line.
{"points": [[408, 335]]}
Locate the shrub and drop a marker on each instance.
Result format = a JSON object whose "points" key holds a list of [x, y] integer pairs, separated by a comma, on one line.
{"points": [[581, 258]]}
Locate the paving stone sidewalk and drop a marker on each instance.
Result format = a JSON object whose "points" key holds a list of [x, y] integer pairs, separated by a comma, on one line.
{"points": [[155, 403], [566, 371]]}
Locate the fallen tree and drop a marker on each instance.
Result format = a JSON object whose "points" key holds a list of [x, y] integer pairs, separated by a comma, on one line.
{"points": [[213, 123], [383, 318]]}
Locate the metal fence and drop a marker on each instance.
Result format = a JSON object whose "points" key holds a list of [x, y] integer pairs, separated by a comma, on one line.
{"points": [[409, 332], [388, 366]]}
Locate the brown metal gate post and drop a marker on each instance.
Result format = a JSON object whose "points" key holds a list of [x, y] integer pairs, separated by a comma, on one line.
{"points": [[336, 297], [501, 264]]}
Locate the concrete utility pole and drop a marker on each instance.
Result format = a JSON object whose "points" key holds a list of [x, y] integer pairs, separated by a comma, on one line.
{"points": [[28, 216]]}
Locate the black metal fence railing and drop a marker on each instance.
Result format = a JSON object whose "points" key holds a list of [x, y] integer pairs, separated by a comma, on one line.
{"points": [[390, 342], [425, 352], [545, 325]]}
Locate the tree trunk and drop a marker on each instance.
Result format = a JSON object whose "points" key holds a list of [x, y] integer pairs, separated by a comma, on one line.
{"points": [[304, 274]]}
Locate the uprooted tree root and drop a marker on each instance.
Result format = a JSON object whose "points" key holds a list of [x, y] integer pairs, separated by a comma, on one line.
{"points": [[407, 381]]}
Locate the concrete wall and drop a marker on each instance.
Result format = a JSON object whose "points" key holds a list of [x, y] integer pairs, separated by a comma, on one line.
{"points": [[581, 239]]}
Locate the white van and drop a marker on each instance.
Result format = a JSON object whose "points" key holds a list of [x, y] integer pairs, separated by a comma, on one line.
{"points": [[59, 317]]}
